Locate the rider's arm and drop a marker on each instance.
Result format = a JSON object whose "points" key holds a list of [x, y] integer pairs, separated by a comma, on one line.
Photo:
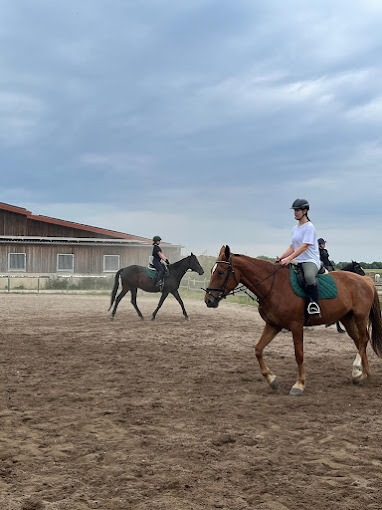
{"points": [[295, 254]]}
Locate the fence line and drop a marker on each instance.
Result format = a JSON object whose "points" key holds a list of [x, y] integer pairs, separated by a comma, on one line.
{"points": [[64, 283]]}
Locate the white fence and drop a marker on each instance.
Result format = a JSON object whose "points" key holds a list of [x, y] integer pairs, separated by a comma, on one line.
{"points": [[69, 283]]}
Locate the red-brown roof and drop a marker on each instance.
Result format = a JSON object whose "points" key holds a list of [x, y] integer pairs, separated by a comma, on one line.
{"points": [[70, 224]]}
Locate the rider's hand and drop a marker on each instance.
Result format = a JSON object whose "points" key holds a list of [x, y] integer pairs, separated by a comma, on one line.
{"points": [[286, 261]]}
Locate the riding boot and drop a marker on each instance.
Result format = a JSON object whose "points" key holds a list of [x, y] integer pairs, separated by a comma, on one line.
{"points": [[313, 306], [160, 280]]}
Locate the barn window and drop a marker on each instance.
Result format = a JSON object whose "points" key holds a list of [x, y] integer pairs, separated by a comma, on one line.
{"points": [[110, 263], [17, 262], [65, 262]]}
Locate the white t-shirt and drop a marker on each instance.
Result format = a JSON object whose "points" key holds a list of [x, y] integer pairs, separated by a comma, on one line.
{"points": [[306, 233]]}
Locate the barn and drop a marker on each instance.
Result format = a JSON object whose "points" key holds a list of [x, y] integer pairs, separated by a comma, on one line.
{"points": [[36, 244]]}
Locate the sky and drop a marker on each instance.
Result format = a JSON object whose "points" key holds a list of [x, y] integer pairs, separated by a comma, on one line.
{"points": [[199, 121]]}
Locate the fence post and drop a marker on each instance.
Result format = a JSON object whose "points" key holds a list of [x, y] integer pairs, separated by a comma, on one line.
{"points": [[9, 284]]}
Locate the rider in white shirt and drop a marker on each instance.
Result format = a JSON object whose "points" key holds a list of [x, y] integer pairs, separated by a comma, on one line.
{"points": [[304, 250]]}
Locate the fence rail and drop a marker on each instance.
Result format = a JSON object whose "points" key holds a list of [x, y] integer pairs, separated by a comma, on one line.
{"points": [[69, 283]]}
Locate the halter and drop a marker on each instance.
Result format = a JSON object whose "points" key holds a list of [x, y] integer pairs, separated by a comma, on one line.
{"points": [[230, 271]]}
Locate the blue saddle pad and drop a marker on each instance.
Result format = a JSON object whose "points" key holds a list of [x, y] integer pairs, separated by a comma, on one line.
{"points": [[327, 288], [152, 273]]}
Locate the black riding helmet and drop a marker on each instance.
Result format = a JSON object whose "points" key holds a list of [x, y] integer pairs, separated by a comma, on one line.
{"points": [[300, 203], [157, 238], [321, 241]]}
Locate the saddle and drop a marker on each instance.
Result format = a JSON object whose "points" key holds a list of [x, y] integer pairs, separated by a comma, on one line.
{"points": [[152, 272], [327, 288]]}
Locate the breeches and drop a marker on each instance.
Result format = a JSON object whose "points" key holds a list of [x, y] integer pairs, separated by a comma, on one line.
{"points": [[158, 266], [310, 271]]}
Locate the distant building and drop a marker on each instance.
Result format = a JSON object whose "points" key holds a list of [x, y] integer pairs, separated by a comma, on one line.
{"points": [[42, 245]]}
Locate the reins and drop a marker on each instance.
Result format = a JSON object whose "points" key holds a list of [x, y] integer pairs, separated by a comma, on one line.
{"points": [[242, 288]]}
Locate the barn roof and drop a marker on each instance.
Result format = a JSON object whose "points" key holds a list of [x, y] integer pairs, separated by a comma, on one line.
{"points": [[71, 224]]}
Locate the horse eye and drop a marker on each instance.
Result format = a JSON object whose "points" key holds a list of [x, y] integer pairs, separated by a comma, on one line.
{"points": [[221, 272]]}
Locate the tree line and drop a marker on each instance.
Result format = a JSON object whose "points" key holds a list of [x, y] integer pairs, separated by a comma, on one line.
{"points": [[207, 262], [339, 265]]}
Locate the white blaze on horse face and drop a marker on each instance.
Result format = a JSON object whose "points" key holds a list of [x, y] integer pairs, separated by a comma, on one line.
{"points": [[214, 268]]}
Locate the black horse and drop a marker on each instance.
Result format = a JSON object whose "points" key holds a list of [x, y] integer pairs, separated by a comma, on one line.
{"points": [[353, 267], [136, 277]]}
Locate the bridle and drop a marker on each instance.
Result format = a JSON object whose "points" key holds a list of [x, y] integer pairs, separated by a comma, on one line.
{"points": [[222, 290]]}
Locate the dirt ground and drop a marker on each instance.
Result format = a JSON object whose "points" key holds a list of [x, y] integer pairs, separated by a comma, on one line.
{"points": [[175, 415]]}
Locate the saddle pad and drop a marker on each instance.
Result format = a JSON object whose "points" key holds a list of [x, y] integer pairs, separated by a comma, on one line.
{"points": [[152, 273], [327, 287]]}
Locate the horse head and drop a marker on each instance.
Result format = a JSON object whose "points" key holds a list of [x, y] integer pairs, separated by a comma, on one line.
{"points": [[194, 264], [222, 280], [356, 268]]}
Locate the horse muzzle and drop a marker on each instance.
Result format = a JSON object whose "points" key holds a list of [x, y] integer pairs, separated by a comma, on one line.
{"points": [[211, 300]]}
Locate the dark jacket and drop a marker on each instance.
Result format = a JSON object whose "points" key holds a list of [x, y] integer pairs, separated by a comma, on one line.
{"points": [[324, 256]]}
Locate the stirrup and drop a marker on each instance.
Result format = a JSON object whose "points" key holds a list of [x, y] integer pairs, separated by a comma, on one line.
{"points": [[313, 309]]}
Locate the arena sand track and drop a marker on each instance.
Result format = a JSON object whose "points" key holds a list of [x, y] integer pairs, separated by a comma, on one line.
{"points": [[174, 415]]}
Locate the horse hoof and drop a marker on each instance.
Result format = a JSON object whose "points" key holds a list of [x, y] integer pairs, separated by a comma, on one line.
{"points": [[153, 318], [111, 318], [186, 318], [359, 380], [142, 318], [274, 384], [296, 391]]}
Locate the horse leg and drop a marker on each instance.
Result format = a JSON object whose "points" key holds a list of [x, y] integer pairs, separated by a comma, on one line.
{"points": [[357, 368], [134, 302], [162, 298], [268, 335], [298, 340], [118, 299], [357, 330], [179, 299], [339, 329]]}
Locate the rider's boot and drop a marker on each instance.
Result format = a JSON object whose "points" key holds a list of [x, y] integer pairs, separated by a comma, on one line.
{"points": [[313, 306], [159, 280]]}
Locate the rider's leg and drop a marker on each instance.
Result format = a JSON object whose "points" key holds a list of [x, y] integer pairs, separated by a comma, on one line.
{"points": [[310, 271], [160, 272]]}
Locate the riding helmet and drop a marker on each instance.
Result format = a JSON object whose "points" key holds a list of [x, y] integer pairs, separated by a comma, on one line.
{"points": [[321, 241], [157, 238], [300, 203]]}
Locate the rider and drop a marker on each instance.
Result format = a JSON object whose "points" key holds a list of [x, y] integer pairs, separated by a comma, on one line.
{"points": [[157, 258], [304, 249], [324, 255]]}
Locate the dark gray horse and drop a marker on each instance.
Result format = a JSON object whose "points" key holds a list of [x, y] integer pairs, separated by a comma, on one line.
{"points": [[136, 277]]}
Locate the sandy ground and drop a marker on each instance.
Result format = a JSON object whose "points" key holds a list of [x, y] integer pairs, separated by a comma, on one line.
{"points": [[175, 415]]}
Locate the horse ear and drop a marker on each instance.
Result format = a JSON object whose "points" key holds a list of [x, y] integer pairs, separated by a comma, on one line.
{"points": [[227, 252], [192, 254], [222, 251]]}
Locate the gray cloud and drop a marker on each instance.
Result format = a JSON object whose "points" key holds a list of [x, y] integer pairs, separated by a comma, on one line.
{"points": [[212, 115]]}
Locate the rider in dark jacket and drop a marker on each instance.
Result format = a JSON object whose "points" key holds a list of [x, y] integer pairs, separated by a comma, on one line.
{"points": [[157, 261], [324, 255]]}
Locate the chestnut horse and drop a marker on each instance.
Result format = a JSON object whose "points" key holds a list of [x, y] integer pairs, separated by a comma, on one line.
{"points": [[356, 306]]}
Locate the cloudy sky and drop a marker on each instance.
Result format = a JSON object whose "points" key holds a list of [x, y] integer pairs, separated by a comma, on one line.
{"points": [[200, 121]]}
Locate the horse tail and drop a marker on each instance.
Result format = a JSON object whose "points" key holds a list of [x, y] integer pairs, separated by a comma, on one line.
{"points": [[116, 285], [375, 322]]}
